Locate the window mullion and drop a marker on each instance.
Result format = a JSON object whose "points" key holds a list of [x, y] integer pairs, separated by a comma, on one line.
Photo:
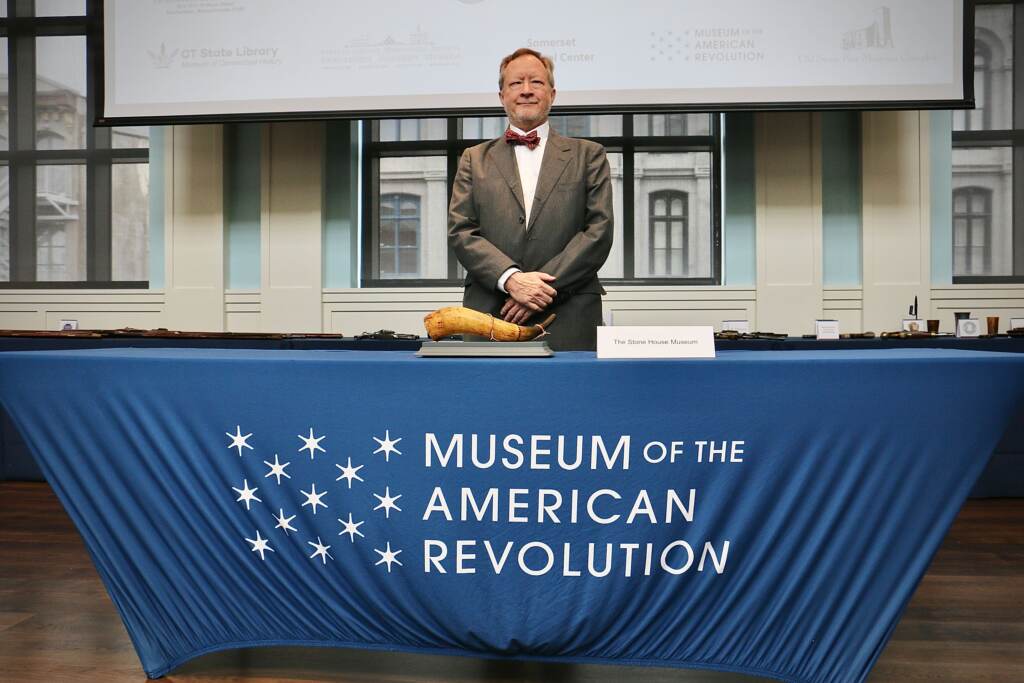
{"points": [[1017, 167], [99, 237], [717, 210], [371, 216], [98, 222], [628, 218], [1018, 209], [22, 173], [453, 157]]}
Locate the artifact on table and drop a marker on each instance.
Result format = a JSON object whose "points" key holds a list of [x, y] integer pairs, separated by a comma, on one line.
{"points": [[386, 335], [450, 320], [907, 334], [732, 335]]}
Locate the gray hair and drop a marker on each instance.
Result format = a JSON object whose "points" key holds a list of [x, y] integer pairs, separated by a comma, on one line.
{"points": [[548, 63]]}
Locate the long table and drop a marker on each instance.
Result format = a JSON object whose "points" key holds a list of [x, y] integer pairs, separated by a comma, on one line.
{"points": [[1003, 476], [762, 513]]}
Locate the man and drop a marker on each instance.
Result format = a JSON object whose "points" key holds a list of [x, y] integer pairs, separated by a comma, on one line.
{"points": [[531, 214]]}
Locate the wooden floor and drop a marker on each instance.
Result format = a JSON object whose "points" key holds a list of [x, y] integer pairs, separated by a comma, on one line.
{"points": [[965, 623]]}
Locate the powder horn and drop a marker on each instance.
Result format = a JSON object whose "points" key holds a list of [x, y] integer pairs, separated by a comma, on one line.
{"points": [[461, 320]]}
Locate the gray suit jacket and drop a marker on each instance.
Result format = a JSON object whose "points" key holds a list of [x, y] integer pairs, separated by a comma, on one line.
{"points": [[569, 235]]}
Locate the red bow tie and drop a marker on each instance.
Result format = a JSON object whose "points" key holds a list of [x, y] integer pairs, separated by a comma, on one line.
{"points": [[531, 139]]}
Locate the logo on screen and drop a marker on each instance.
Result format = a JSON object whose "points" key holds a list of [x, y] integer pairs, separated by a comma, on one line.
{"points": [[876, 35], [162, 60]]}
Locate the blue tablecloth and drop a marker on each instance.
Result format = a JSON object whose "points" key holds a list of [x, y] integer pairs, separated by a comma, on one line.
{"points": [[760, 512]]}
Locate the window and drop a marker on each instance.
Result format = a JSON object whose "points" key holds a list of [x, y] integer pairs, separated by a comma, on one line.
{"points": [[573, 126], [410, 218], [399, 235], [669, 238], [74, 199], [988, 144], [670, 124], [978, 118], [679, 241], [664, 193], [972, 229], [50, 251], [393, 130]]}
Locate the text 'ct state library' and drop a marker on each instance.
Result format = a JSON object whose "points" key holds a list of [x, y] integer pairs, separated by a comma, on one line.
{"points": [[480, 341]]}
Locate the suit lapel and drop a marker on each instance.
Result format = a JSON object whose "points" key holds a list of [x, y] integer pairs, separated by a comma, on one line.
{"points": [[504, 159], [556, 157]]}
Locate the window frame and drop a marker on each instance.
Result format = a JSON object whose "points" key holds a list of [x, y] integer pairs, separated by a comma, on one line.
{"points": [[21, 28], [969, 193], [452, 146], [1012, 138], [667, 219], [399, 198]]}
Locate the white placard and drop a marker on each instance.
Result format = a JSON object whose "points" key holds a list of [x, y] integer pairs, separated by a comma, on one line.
{"points": [[741, 326], [656, 342], [68, 325], [914, 325], [1016, 323], [968, 327], [826, 329]]}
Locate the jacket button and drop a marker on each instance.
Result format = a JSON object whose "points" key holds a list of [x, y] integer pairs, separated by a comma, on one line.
{"points": [[522, 219]]}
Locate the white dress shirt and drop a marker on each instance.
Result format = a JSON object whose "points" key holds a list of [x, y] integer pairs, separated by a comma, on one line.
{"points": [[528, 162]]}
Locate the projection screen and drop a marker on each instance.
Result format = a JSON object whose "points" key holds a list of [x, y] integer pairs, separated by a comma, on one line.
{"points": [[177, 59]]}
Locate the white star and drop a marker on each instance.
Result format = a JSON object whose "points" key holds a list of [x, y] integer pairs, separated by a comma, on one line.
{"points": [[313, 498], [277, 469], [349, 473], [350, 528], [387, 444], [259, 545], [321, 550], [284, 522], [246, 494], [387, 556], [238, 441], [387, 501], [312, 443]]}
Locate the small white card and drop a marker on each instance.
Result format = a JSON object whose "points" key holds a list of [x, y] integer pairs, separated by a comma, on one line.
{"points": [[68, 325], [914, 325], [741, 326], [1016, 323], [656, 342], [826, 329], [968, 327]]}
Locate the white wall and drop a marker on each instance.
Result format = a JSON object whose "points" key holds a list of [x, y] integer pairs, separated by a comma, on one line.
{"points": [[788, 295]]}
